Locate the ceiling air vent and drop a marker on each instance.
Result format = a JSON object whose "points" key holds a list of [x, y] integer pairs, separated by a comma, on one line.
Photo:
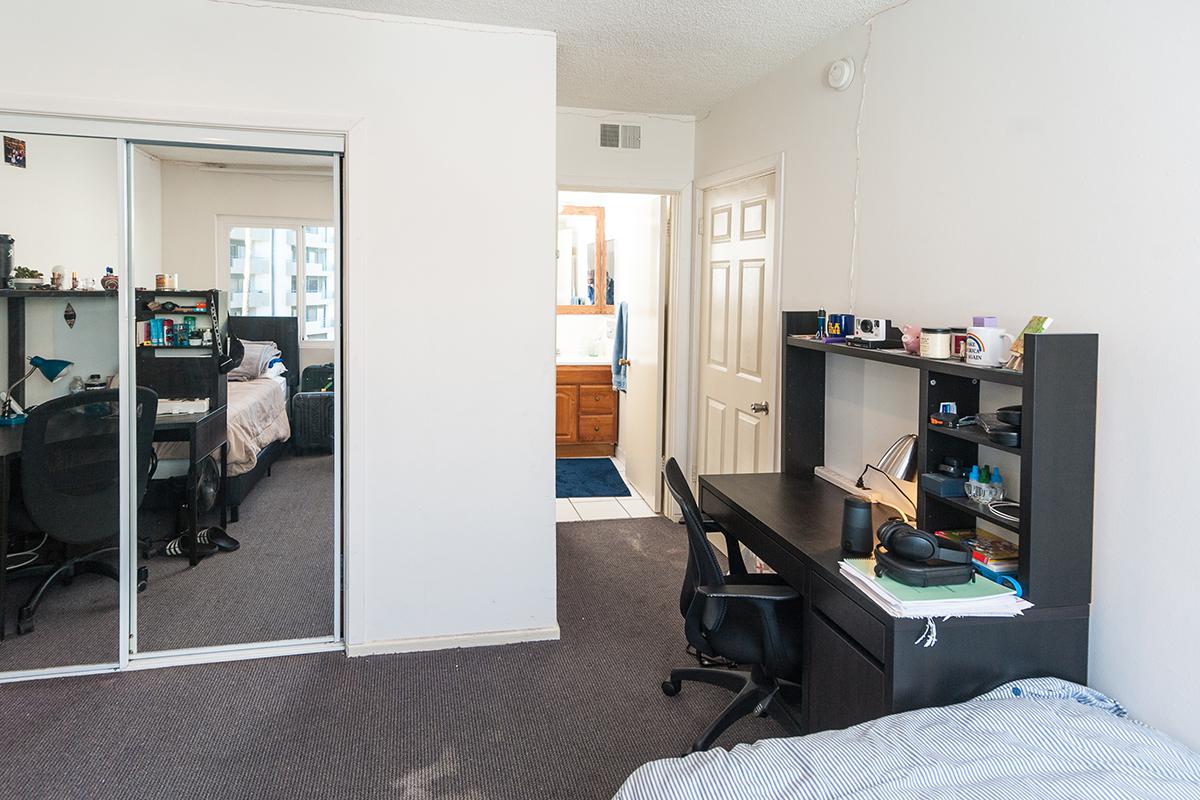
{"points": [[610, 135], [625, 137]]}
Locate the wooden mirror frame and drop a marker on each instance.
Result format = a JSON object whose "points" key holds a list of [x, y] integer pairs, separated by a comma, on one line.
{"points": [[601, 278]]}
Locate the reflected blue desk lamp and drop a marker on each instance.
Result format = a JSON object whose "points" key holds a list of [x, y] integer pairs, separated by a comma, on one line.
{"points": [[51, 368]]}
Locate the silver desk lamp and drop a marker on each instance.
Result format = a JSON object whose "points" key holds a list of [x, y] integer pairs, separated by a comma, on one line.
{"points": [[898, 462]]}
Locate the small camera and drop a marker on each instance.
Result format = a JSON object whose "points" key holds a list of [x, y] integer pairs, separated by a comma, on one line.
{"points": [[872, 329]]}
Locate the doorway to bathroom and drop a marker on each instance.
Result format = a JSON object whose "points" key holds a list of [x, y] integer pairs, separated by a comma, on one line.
{"points": [[614, 252]]}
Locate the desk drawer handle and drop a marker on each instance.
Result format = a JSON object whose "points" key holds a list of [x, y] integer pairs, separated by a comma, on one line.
{"points": [[596, 428]]}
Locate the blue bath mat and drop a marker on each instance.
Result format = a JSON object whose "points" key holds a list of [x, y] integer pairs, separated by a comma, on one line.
{"points": [[588, 477]]}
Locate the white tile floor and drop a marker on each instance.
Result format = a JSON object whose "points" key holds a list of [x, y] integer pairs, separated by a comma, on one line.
{"points": [[591, 508]]}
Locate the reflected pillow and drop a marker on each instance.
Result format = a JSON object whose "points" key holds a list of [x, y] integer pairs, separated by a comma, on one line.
{"points": [[254, 364]]}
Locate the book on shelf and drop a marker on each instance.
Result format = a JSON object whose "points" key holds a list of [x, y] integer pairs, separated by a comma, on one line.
{"points": [[987, 548]]}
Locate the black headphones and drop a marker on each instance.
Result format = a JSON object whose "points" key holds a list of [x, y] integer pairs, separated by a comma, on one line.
{"points": [[905, 541], [905, 554]]}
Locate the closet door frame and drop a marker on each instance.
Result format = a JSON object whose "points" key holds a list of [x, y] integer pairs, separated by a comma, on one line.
{"points": [[281, 132]]}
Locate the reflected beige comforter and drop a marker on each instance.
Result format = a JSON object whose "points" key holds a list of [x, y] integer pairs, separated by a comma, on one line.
{"points": [[257, 416]]}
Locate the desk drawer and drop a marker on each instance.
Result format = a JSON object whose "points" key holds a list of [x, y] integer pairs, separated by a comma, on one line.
{"points": [[866, 631], [843, 687]]}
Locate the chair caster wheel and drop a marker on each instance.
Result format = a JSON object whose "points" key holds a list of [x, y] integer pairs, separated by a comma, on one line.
{"points": [[143, 577], [671, 688], [24, 625]]}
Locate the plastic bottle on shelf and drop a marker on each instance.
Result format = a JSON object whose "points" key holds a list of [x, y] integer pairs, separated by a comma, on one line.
{"points": [[997, 484]]}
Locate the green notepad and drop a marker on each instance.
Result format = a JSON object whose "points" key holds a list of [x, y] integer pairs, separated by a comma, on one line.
{"points": [[978, 589]]}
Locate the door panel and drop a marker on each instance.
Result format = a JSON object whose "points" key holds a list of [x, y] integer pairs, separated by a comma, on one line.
{"points": [[738, 328], [745, 442], [750, 319], [718, 313], [714, 436]]}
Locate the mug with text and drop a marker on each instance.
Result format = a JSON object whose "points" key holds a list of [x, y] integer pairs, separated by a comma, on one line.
{"points": [[988, 347]]}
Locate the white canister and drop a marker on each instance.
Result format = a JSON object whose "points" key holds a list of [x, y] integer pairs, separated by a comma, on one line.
{"points": [[935, 342], [988, 347]]}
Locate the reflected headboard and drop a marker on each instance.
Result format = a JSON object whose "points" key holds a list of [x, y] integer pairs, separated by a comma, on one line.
{"points": [[283, 331]]}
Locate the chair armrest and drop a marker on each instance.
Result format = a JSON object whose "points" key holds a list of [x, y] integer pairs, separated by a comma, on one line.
{"points": [[751, 591]]}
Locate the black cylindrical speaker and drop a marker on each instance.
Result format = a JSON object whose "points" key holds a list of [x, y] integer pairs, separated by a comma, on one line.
{"points": [[858, 534]]}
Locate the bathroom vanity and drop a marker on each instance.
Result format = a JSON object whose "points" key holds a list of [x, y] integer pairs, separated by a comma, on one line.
{"points": [[585, 410]]}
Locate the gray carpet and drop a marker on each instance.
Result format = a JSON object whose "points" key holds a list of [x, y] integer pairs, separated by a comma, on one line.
{"points": [[279, 585], [565, 720]]}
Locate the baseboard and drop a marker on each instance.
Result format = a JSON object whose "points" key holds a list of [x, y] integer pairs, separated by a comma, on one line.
{"points": [[485, 639]]}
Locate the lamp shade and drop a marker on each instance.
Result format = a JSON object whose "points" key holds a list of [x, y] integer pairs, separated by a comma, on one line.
{"points": [[900, 459], [51, 368]]}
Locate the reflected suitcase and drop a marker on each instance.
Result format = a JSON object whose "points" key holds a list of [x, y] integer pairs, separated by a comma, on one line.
{"points": [[312, 422], [317, 378]]}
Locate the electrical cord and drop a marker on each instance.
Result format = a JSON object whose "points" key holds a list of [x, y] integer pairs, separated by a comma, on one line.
{"points": [[31, 552], [859, 483], [996, 505]]}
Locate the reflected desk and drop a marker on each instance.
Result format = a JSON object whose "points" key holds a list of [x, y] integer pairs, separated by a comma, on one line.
{"points": [[204, 432]]}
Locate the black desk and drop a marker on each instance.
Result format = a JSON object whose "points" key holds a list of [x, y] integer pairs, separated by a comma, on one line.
{"points": [[204, 432], [859, 662]]}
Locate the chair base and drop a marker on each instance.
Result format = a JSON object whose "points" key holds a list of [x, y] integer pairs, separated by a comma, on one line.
{"points": [[754, 693], [65, 572]]}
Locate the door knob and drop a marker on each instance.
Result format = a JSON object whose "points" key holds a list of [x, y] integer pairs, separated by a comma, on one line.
{"points": [[760, 408]]}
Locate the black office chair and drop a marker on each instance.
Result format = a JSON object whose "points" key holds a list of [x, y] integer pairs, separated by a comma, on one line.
{"points": [[751, 619], [70, 484]]}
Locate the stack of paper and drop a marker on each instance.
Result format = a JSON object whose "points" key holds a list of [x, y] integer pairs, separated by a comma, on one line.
{"points": [[979, 598]]}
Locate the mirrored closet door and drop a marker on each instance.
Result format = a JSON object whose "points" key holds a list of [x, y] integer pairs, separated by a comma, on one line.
{"points": [[60, 431], [236, 321]]}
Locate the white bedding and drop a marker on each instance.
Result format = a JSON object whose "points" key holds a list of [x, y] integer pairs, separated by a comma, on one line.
{"points": [[257, 416], [1033, 739]]}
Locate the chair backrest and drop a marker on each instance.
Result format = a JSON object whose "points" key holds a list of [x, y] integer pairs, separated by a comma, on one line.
{"points": [[71, 463], [703, 569]]}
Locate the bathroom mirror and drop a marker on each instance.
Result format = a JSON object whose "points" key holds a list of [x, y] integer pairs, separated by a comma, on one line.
{"points": [[584, 283]]}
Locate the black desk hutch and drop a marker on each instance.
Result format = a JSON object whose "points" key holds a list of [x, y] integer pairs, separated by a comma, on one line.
{"points": [[860, 663]]}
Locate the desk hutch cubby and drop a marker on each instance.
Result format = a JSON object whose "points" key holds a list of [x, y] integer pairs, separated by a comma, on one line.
{"points": [[183, 372], [1057, 448]]}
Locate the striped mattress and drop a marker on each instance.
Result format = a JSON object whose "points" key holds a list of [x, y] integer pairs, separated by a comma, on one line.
{"points": [[1040, 738]]}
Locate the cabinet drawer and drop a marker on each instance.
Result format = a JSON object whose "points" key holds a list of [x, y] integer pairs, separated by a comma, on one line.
{"points": [[866, 631], [597, 428], [597, 399]]}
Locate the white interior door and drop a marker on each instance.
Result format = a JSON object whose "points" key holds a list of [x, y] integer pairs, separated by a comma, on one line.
{"points": [[638, 280], [738, 327]]}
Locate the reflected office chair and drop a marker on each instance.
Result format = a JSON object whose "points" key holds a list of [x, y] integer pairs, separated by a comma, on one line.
{"points": [[70, 485], [747, 619]]}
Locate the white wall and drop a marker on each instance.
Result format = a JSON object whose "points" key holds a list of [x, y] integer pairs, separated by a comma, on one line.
{"points": [[193, 199], [425, 481], [147, 190], [1019, 157], [61, 210], [665, 160]]}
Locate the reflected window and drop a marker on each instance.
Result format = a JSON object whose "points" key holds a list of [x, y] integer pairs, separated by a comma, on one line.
{"points": [[265, 275]]}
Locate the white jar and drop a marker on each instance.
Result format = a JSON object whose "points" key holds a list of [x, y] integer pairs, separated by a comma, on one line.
{"points": [[935, 343]]}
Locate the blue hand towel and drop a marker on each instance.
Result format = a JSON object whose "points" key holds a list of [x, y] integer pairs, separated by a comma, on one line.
{"points": [[621, 347]]}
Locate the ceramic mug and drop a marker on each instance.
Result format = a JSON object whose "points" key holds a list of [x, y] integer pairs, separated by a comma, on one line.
{"points": [[988, 347]]}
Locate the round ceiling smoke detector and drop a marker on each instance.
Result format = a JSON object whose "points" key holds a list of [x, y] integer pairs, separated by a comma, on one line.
{"points": [[840, 74]]}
